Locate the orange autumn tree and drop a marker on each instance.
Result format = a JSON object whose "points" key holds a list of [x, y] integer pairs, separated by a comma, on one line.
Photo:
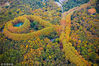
{"points": [[92, 10]]}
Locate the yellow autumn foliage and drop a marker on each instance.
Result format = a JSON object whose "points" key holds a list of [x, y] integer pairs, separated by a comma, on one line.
{"points": [[17, 33], [70, 52]]}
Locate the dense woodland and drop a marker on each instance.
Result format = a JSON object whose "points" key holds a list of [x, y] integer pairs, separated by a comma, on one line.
{"points": [[45, 37]]}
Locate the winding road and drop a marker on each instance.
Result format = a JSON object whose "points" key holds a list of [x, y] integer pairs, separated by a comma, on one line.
{"points": [[70, 52]]}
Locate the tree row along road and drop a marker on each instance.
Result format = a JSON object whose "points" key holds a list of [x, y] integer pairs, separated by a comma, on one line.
{"points": [[70, 52], [23, 33]]}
